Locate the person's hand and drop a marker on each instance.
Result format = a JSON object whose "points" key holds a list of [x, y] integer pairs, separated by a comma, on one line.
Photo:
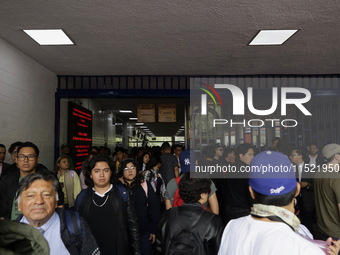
{"points": [[303, 184], [152, 237], [334, 246]]}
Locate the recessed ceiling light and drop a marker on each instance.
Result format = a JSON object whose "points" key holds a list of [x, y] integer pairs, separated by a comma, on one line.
{"points": [[125, 111], [181, 129], [49, 36], [272, 37], [138, 123], [133, 119], [182, 126], [143, 127]]}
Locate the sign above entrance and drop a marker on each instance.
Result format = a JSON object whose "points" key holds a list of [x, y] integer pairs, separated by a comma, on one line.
{"points": [[167, 113], [79, 133], [146, 113]]}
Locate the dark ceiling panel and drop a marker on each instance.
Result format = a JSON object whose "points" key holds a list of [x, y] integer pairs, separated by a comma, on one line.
{"points": [[177, 37]]}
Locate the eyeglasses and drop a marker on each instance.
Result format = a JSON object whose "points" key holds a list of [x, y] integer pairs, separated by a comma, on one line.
{"points": [[292, 155], [29, 157], [220, 149], [131, 168]]}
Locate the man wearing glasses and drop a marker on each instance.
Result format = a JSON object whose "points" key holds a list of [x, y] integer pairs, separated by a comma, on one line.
{"points": [[27, 160], [218, 153]]}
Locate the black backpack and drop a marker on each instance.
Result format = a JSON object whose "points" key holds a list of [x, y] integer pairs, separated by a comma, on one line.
{"points": [[185, 241]]}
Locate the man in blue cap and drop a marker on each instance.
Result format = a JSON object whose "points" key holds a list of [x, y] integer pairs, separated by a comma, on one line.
{"points": [[272, 227]]}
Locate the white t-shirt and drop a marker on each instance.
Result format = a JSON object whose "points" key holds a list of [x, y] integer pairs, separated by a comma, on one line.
{"points": [[246, 236]]}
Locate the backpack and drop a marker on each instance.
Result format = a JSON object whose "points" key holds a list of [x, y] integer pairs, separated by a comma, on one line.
{"points": [[185, 241], [178, 201], [72, 219]]}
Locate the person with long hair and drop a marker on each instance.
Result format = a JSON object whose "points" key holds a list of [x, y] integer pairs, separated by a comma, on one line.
{"points": [[69, 181], [84, 166], [145, 201], [111, 218], [143, 162], [153, 176]]}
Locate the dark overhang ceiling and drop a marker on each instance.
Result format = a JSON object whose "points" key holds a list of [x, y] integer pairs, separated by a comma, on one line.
{"points": [[177, 37]]}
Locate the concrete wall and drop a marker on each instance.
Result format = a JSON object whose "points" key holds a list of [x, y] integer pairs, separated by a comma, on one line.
{"points": [[26, 102]]}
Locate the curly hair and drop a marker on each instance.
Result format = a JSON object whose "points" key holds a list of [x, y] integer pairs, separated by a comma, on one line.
{"points": [[137, 180], [190, 189], [92, 164]]}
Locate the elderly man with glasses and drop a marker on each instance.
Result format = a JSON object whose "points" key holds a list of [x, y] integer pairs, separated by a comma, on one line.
{"points": [[27, 160]]}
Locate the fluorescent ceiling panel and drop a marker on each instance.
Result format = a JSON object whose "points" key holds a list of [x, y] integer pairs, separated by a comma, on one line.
{"points": [[49, 36], [133, 118], [125, 111], [139, 123], [272, 37]]}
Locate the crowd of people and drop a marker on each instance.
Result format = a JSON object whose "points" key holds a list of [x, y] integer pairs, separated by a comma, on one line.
{"points": [[153, 201]]}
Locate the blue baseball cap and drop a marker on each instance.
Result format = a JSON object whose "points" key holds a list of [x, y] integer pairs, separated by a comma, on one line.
{"points": [[272, 174], [186, 161]]}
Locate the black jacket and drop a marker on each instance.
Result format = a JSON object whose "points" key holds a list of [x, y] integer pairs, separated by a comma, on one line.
{"points": [[9, 186], [147, 209], [5, 169], [127, 227], [235, 191], [190, 215], [308, 174], [88, 242]]}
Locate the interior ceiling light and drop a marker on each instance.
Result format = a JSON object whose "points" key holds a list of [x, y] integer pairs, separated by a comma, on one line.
{"points": [[133, 119], [272, 37], [125, 111], [49, 36], [139, 123], [143, 127]]}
